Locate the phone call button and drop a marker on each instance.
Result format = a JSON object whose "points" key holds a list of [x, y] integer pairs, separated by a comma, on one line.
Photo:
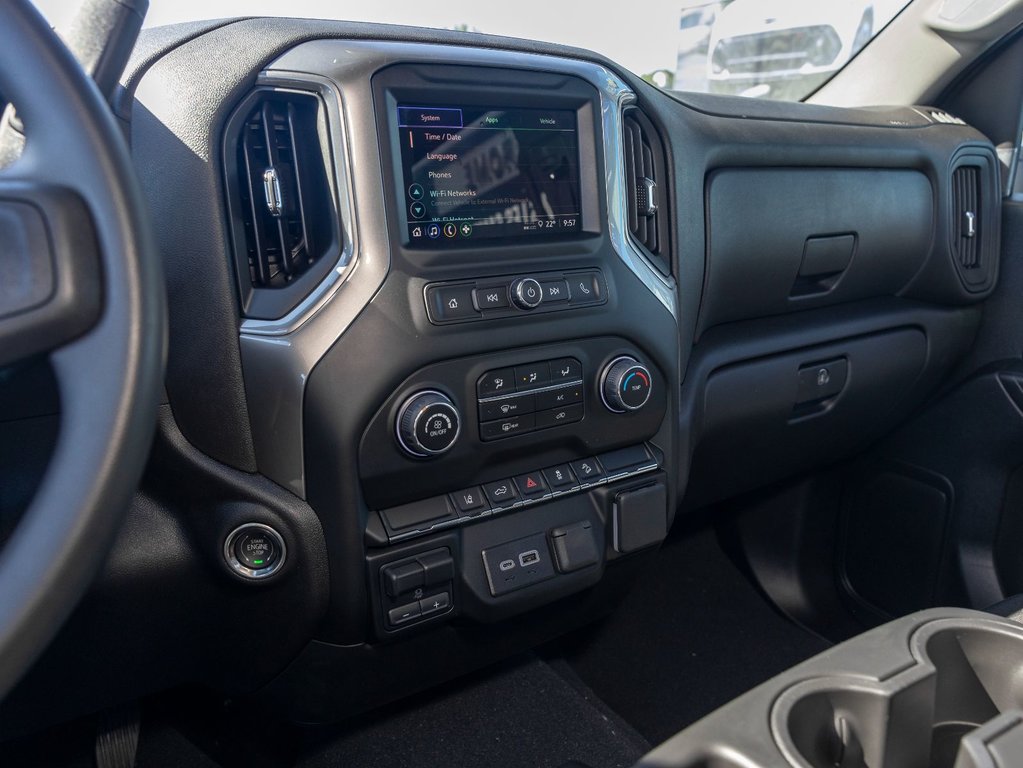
{"points": [[584, 288]]}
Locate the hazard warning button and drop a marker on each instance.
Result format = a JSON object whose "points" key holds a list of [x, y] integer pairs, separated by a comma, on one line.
{"points": [[532, 485]]}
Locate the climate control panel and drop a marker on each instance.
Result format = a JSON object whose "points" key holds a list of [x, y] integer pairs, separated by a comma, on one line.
{"points": [[524, 398], [463, 422]]}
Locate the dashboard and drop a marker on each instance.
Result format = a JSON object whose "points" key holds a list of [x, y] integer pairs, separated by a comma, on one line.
{"points": [[460, 325]]}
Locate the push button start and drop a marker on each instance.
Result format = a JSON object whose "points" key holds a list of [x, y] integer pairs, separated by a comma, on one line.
{"points": [[254, 551]]}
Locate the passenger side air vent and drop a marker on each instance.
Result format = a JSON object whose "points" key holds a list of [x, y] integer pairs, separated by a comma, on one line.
{"points": [[974, 219], [966, 236], [283, 204], [646, 188]]}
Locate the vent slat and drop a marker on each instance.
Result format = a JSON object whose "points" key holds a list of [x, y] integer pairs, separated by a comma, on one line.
{"points": [[269, 125], [974, 188], [631, 142], [649, 237], [299, 247], [259, 259], [648, 162]]}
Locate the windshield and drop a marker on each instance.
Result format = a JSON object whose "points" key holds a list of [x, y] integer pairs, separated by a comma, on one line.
{"points": [[776, 49]]}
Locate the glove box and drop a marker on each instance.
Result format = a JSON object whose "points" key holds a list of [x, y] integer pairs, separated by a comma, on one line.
{"points": [[766, 418]]}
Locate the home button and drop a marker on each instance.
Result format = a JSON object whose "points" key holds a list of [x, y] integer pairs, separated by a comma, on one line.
{"points": [[451, 302]]}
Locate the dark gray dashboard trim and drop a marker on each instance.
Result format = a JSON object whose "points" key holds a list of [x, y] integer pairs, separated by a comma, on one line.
{"points": [[276, 365], [153, 45]]}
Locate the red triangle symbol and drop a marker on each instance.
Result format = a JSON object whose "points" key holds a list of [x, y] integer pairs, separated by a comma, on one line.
{"points": [[530, 482]]}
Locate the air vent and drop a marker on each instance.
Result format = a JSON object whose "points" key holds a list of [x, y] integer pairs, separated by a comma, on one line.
{"points": [[974, 226], [285, 217], [966, 235], [646, 188]]}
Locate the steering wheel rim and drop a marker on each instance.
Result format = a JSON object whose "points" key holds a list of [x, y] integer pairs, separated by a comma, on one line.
{"points": [[109, 374]]}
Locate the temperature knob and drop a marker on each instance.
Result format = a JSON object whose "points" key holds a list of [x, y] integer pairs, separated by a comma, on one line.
{"points": [[625, 385], [428, 424]]}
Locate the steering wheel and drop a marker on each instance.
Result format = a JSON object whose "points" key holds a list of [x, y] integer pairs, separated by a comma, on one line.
{"points": [[81, 282]]}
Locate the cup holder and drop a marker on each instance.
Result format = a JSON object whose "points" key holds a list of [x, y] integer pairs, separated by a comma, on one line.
{"points": [[959, 706], [828, 728]]}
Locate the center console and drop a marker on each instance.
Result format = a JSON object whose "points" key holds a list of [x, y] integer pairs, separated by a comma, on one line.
{"points": [[535, 461], [940, 688], [488, 396], [504, 446]]}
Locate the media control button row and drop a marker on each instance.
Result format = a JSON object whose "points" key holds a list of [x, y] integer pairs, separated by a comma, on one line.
{"points": [[490, 498], [518, 296]]}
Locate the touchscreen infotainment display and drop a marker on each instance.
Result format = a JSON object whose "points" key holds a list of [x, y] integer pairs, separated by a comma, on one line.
{"points": [[472, 173]]}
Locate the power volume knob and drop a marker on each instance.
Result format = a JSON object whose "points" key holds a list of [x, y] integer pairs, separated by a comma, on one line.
{"points": [[527, 293], [428, 424], [626, 385]]}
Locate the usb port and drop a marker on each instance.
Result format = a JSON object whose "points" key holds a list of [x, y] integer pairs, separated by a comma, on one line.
{"points": [[529, 558]]}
